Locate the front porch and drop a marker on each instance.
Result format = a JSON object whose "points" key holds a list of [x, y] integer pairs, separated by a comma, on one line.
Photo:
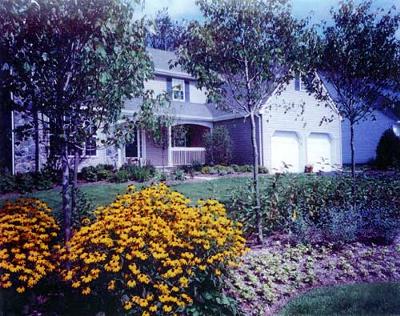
{"points": [[186, 144]]}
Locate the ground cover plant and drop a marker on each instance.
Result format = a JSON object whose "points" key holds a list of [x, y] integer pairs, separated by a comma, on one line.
{"points": [[267, 278]]}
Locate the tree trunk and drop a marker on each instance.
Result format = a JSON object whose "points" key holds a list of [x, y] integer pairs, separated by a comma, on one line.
{"points": [[37, 141], [353, 160], [74, 182], [256, 186], [66, 202]]}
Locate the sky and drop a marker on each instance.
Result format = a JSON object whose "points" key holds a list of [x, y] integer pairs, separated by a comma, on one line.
{"points": [[319, 9]]}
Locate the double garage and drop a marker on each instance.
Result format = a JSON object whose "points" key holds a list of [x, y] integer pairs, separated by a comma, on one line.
{"points": [[292, 151]]}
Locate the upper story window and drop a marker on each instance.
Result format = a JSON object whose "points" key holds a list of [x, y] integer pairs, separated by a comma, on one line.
{"points": [[178, 90]]}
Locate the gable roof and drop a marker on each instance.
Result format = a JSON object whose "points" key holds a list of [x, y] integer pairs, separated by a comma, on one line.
{"points": [[162, 60]]}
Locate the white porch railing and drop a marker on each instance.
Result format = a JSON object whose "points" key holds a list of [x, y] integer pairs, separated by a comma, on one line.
{"points": [[182, 156]]}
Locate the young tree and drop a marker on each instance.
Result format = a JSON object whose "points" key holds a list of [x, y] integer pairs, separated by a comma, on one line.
{"points": [[166, 32], [357, 62], [241, 53], [75, 62]]}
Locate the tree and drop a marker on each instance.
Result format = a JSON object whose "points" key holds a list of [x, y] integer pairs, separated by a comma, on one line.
{"points": [[241, 53], [218, 145], [356, 59], [166, 32], [75, 62]]}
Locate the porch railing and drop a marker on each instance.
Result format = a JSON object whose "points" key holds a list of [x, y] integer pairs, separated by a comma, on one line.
{"points": [[182, 156]]}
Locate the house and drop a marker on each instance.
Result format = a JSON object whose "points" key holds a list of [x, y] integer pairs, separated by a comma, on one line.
{"points": [[289, 129], [367, 134]]}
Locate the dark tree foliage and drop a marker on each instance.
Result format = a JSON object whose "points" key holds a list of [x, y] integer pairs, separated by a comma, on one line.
{"points": [[165, 32], [75, 62], [388, 150]]}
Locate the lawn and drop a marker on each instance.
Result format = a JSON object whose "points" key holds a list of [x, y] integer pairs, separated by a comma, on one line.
{"points": [[356, 299], [104, 193]]}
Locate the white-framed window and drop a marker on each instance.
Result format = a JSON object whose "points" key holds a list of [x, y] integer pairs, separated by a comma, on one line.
{"points": [[178, 90], [299, 83]]}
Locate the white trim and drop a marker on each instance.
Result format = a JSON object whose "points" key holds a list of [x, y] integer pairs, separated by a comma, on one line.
{"points": [[170, 162], [144, 152], [12, 144], [178, 74]]}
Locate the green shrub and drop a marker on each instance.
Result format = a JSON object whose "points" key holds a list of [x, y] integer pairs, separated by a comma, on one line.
{"points": [[96, 173], [245, 168], [388, 150], [302, 202], [138, 173], [120, 176], [7, 183], [263, 170], [178, 175], [218, 146], [205, 170], [25, 182]]}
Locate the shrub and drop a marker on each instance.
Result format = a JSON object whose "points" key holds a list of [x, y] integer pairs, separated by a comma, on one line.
{"points": [[287, 200], [245, 168], [89, 174], [388, 150], [27, 232], [97, 173], [205, 170], [7, 183], [152, 250], [138, 173], [218, 146], [178, 175], [120, 176], [263, 170]]}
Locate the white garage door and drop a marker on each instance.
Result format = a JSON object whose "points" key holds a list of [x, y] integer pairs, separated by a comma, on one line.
{"points": [[319, 150], [285, 151]]}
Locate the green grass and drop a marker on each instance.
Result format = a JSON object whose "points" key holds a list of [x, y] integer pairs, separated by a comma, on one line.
{"points": [[104, 193], [358, 299]]}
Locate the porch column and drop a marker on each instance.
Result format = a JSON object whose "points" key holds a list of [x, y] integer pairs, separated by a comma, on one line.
{"points": [[170, 163]]}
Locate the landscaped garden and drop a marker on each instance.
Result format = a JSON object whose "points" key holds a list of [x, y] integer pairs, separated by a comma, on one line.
{"points": [[320, 231]]}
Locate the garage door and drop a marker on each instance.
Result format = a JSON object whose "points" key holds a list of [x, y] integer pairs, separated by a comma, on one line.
{"points": [[285, 151], [319, 150]]}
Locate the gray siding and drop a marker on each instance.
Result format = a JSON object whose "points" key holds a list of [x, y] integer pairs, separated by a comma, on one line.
{"points": [[367, 135], [154, 153], [240, 132]]}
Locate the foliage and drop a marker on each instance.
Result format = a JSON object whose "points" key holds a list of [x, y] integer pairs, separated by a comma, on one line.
{"points": [[75, 63], [27, 235], [120, 176], [178, 175], [26, 182], [261, 44], [139, 173], [150, 248], [301, 202], [356, 57], [165, 33], [388, 150], [96, 173], [218, 146], [266, 278]]}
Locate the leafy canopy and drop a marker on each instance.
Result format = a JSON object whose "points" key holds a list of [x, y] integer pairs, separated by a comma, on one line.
{"points": [[243, 51]]}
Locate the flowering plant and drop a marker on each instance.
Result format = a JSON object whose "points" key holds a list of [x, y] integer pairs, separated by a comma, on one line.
{"points": [[27, 231], [148, 247]]}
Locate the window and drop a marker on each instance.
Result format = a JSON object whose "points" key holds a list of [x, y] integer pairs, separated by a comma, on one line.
{"points": [[299, 83], [178, 90], [90, 147]]}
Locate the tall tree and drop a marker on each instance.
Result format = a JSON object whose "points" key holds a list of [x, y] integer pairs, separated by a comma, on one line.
{"points": [[76, 62], [165, 32], [356, 59], [241, 53]]}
